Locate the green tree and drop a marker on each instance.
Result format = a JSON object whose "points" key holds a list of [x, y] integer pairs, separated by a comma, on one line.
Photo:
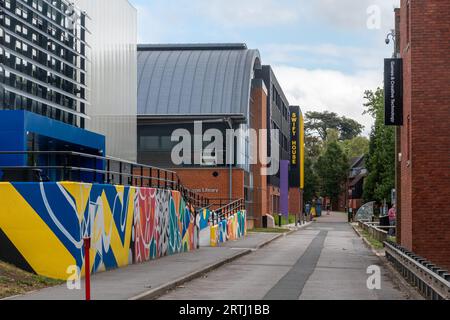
{"points": [[355, 147], [318, 123], [313, 147], [332, 168], [381, 156], [349, 128], [311, 181]]}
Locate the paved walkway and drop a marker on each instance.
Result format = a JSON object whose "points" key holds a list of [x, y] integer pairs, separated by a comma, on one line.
{"points": [[326, 260], [134, 280]]}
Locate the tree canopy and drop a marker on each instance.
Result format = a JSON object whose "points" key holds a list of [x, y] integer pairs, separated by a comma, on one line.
{"points": [[381, 156], [332, 168], [330, 141], [318, 123]]}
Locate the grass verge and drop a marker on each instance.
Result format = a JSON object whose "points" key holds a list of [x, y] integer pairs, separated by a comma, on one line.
{"points": [[373, 242], [284, 221], [14, 281]]}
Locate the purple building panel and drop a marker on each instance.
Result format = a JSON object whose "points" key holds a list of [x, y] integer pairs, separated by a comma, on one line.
{"points": [[284, 187]]}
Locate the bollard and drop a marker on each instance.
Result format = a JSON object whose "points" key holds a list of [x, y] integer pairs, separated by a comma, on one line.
{"points": [[279, 220], [87, 267]]}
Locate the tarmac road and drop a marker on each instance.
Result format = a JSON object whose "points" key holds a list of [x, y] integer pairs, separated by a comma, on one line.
{"points": [[325, 261]]}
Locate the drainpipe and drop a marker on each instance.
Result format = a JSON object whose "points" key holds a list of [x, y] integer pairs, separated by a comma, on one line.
{"points": [[229, 121]]}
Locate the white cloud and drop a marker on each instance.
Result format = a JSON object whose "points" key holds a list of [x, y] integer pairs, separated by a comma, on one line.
{"points": [[254, 13], [320, 90], [162, 19], [325, 54], [352, 14]]}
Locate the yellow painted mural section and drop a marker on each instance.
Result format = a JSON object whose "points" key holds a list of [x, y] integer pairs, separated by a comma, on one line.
{"points": [[31, 235]]}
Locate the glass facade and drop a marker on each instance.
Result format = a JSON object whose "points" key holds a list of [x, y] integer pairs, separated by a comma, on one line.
{"points": [[44, 59]]}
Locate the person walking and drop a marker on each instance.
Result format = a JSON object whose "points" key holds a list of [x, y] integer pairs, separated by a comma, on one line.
{"points": [[392, 213]]}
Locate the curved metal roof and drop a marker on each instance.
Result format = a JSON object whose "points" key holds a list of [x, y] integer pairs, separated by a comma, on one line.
{"points": [[195, 80]]}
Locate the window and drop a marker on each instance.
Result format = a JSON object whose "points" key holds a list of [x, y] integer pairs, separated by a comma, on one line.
{"points": [[408, 141], [408, 22], [149, 143]]}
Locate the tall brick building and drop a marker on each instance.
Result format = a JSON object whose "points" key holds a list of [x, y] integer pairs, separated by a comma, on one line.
{"points": [[423, 41]]}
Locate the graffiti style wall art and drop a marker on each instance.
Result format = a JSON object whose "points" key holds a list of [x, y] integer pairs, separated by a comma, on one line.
{"points": [[163, 225], [42, 225], [229, 229], [204, 223]]}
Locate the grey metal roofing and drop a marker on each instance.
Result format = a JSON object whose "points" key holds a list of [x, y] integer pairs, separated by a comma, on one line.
{"points": [[197, 79]]}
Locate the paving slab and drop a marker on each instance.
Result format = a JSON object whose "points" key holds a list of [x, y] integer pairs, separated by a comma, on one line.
{"points": [[141, 279]]}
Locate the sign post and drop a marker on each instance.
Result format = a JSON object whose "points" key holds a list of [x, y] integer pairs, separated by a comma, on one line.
{"points": [[297, 163], [87, 267]]}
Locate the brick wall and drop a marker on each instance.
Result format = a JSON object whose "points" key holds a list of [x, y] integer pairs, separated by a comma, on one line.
{"points": [[425, 136], [295, 205], [258, 120], [212, 179]]}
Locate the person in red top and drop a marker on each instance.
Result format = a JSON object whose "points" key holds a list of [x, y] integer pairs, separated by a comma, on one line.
{"points": [[392, 219]]}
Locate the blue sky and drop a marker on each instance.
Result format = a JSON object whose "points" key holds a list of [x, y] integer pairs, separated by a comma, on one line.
{"points": [[325, 52]]}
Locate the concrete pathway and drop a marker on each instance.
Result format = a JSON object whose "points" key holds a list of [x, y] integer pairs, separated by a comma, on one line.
{"points": [[143, 279], [326, 260]]}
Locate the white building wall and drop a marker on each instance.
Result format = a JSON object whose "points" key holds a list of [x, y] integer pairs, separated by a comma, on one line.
{"points": [[112, 74]]}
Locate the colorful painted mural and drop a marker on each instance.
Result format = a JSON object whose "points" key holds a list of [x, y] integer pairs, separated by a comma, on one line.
{"points": [[163, 225], [230, 229], [42, 225]]}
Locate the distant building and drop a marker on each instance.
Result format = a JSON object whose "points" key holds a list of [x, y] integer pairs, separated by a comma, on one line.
{"points": [[355, 183]]}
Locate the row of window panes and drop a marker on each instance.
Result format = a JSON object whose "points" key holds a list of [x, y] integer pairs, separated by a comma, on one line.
{"points": [[38, 5], [50, 45], [32, 53], [276, 97], [38, 73], [11, 101], [36, 89], [62, 36], [283, 140]]}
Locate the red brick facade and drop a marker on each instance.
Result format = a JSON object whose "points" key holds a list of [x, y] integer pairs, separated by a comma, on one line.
{"points": [[213, 183], [425, 136]]}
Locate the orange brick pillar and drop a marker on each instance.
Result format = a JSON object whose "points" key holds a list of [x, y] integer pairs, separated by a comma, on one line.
{"points": [[258, 121]]}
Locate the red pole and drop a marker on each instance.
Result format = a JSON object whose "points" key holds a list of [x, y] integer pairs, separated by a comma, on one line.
{"points": [[87, 268]]}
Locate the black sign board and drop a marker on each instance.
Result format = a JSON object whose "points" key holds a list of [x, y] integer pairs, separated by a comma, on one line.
{"points": [[393, 92], [294, 172]]}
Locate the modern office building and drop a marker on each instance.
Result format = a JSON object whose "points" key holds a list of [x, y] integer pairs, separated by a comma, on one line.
{"points": [[52, 68], [278, 118], [423, 30], [223, 86], [181, 84]]}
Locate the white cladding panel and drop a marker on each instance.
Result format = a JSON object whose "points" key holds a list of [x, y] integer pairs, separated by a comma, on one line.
{"points": [[112, 74]]}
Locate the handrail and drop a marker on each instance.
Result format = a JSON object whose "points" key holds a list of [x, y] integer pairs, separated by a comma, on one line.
{"points": [[225, 211], [432, 281], [133, 174]]}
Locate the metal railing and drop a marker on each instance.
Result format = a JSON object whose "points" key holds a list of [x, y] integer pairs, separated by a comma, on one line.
{"points": [[226, 211], [431, 281], [46, 166], [376, 231]]}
